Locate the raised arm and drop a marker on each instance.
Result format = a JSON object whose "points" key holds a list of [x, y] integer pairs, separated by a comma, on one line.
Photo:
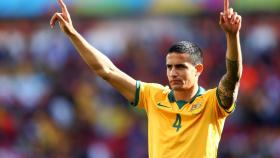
{"points": [[97, 61], [228, 87]]}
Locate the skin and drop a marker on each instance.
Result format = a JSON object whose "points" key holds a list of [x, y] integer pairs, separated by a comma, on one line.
{"points": [[97, 61], [182, 74], [228, 87]]}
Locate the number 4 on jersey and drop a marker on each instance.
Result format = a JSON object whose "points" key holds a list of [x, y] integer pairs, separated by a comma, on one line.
{"points": [[177, 123]]}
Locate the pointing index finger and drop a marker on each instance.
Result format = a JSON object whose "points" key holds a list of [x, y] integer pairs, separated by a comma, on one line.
{"points": [[226, 6], [63, 7]]}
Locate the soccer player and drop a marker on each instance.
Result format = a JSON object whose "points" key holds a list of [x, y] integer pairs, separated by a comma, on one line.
{"points": [[184, 121]]}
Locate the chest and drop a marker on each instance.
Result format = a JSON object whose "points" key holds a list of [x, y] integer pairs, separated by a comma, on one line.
{"points": [[165, 115]]}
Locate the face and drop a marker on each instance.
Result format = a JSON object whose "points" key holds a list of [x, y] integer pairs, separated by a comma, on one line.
{"points": [[182, 74]]}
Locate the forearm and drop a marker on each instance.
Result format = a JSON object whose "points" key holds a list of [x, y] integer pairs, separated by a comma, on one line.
{"points": [[229, 84], [95, 59], [103, 66], [233, 57]]}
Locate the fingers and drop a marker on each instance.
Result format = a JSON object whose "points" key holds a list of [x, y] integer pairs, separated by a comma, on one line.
{"points": [[226, 6], [222, 17], [233, 18], [230, 21], [230, 12], [230, 16], [64, 9], [63, 17], [56, 17], [238, 19], [53, 20]]}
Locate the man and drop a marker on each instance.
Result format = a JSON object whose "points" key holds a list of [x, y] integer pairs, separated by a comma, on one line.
{"points": [[184, 121]]}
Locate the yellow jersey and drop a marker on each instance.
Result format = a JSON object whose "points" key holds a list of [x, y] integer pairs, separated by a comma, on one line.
{"points": [[178, 129]]}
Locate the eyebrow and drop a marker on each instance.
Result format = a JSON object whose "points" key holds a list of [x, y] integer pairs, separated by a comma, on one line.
{"points": [[176, 65]]}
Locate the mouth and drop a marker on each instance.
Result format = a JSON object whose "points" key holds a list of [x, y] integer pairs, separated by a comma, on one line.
{"points": [[175, 82]]}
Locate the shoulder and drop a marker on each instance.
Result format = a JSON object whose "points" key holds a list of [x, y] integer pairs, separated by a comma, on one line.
{"points": [[210, 92], [153, 87], [146, 92], [209, 95]]}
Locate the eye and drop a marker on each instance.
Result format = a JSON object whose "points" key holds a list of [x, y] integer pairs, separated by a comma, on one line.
{"points": [[181, 66], [169, 66]]}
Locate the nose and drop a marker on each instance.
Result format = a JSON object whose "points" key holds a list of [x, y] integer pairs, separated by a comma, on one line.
{"points": [[173, 72]]}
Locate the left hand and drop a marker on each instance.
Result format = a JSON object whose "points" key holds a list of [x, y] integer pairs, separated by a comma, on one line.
{"points": [[230, 21]]}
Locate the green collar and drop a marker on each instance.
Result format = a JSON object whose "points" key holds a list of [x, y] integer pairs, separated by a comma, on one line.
{"points": [[181, 103]]}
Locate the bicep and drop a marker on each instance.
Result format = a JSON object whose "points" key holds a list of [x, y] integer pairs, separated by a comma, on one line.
{"points": [[227, 91], [229, 84]]}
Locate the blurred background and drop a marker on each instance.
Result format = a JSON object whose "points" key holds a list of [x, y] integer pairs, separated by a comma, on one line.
{"points": [[53, 106]]}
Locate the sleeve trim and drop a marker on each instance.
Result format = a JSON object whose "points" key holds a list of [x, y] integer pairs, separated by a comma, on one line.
{"points": [[136, 97]]}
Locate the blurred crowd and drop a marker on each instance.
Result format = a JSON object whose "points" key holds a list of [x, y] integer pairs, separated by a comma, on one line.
{"points": [[53, 106]]}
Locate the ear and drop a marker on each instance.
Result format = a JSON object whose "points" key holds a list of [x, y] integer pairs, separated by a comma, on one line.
{"points": [[199, 69]]}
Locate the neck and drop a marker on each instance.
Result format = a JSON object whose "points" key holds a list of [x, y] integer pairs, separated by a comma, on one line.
{"points": [[186, 94]]}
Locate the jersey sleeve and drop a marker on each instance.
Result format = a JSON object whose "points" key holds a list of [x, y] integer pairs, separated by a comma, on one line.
{"points": [[144, 93], [221, 106], [139, 94], [218, 106]]}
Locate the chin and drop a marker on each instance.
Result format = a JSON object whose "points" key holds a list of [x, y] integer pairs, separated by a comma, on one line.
{"points": [[177, 88]]}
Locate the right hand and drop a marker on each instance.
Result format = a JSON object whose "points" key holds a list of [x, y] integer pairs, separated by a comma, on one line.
{"points": [[63, 18]]}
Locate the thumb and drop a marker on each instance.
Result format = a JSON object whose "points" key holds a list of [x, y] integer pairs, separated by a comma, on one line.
{"points": [[61, 19], [222, 18]]}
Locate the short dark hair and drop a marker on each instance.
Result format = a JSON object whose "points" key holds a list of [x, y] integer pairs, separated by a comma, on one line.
{"points": [[190, 48]]}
